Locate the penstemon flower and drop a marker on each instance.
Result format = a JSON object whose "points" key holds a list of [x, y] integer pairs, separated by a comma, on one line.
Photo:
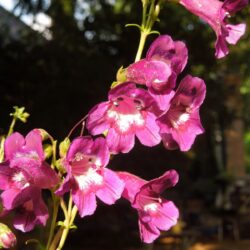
{"points": [[180, 124], [129, 112], [22, 176], [155, 213], [215, 13], [165, 59], [87, 176]]}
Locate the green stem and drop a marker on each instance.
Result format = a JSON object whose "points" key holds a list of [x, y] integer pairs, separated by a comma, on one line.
{"points": [[148, 20], [2, 149], [143, 38], [56, 239], [68, 224], [54, 217], [12, 125]]}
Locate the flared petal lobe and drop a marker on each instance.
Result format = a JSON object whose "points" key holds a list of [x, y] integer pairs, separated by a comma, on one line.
{"points": [[112, 187]]}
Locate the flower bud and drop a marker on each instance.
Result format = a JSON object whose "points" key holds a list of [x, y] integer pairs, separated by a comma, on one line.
{"points": [[7, 238]]}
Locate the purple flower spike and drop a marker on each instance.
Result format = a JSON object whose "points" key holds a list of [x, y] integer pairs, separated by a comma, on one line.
{"points": [[155, 213], [181, 123], [164, 61], [215, 12], [87, 176], [130, 111]]}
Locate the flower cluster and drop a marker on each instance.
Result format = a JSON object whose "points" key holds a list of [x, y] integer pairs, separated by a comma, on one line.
{"points": [[149, 105]]}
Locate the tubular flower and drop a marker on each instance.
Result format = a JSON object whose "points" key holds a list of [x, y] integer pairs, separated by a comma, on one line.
{"points": [[87, 176], [181, 123], [22, 176], [165, 59], [215, 13], [155, 213], [130, 111]]}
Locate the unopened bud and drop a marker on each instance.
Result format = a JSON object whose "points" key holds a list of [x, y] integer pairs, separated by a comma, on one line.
{"points": [[7, 238], [157, 10]]}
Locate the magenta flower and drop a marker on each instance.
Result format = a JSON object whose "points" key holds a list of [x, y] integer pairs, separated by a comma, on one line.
{"points": [[215, 12], [22, 176], [130, 111], [87, 176], [165, 59], [155, 213], [181, 123]]}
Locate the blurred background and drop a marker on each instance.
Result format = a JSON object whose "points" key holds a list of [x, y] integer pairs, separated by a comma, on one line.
{"points": [[58, 58]]}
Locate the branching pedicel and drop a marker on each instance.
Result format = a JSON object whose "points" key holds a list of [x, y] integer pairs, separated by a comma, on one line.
{"points": [[142, 103]]}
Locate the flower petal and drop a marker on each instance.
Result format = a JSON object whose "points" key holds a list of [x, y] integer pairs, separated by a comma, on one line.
{"points": [[81, 144], [85, 202], [5, 176], [43, 177], [33, 142], [101, 151], [149, 135], [186, 135], [235, 32], [132, 185], [158, 185], [96, 122], [148, 232], [166, 217], [12, 144], [112, 187], [120, 142]]}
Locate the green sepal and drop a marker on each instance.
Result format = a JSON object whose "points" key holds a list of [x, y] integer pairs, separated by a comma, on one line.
{"points": [[48, 150], [121, 74], [63, 147], [60, 167]]}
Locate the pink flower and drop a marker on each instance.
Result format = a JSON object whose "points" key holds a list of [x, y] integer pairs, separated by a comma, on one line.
{"points": [[215, 12], [165, 59], [181, 123], [155, 213], [130, 111], [23, 175], [87, 176]]}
